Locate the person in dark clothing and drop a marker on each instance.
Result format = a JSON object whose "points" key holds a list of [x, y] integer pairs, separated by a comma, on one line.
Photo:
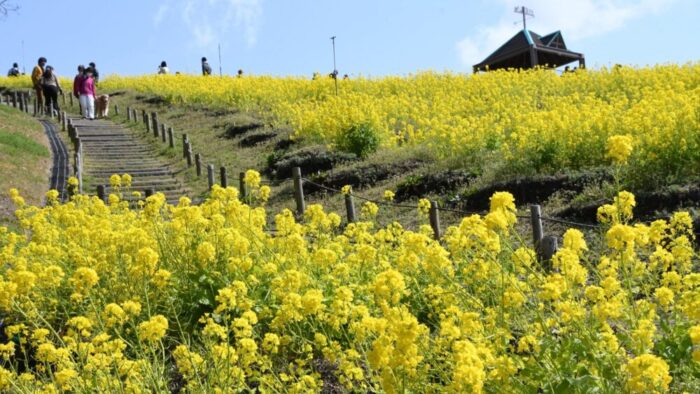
{"points": [[95, 73], [206, 68], [51, 89], [78, 84], [14, 71]]}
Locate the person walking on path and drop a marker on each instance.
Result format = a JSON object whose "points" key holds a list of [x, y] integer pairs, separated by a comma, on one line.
{"points": [[37, 73], [163, 69], [14, 71], [86, 89], [78, 85], [95, 73], [206, 68], [51, 89]]}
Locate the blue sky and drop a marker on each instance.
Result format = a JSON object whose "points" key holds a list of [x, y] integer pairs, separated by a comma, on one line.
{"points": [[284, 37]]}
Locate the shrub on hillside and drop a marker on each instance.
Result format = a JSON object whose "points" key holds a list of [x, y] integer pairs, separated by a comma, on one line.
{"points": [[361, 139]]}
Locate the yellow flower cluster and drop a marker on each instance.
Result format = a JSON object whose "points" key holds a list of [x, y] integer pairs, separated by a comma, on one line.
{"points": [[530, 119], [204, 298]]}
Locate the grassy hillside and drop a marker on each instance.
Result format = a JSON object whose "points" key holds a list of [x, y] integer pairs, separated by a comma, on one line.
{"points": [[24, 160]]}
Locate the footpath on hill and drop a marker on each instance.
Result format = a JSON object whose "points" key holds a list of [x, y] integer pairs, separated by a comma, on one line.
{"points": [[108, 149]]}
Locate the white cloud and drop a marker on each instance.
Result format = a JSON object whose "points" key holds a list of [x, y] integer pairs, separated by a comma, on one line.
{"points": [[160, 14], [576, 19], [209, 21]]}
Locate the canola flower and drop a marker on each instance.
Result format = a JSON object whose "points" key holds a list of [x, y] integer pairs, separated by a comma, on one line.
{"points": [[203, 297], [529, 121]]}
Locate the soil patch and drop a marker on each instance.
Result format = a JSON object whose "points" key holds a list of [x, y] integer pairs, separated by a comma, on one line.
{"points": [[531, 190], [311, 160], [440, 183], [221, 112], [650, 205], [284, 144], [154, 100], [361, 176], [257, 138], [236, 130]]}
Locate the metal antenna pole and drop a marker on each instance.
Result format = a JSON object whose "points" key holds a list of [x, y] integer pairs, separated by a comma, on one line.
{"points": [[220, 72], [24, 70], [335, 69], [525, 12]]}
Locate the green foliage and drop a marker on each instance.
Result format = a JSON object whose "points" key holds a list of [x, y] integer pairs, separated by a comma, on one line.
{"points": [[361, 139], [17, 144]]}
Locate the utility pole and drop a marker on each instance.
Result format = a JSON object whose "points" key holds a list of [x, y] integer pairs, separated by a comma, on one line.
{"points": [[525, 12], [220, 70], [335, 69]]}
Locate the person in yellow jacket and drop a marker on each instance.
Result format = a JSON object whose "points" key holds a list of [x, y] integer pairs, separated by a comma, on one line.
{"points": [[37, 73]]}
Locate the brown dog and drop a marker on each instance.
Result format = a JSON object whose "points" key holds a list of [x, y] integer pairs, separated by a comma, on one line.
{"points": [[102, 106]]}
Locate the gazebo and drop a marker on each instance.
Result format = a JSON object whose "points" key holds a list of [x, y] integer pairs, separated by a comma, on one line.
{"points": [[527, 49]]}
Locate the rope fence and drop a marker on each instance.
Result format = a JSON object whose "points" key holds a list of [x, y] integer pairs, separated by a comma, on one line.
{"points": [[546, 246]]}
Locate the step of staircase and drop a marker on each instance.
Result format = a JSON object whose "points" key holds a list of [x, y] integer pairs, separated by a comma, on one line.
{"points": [[110, 149]]}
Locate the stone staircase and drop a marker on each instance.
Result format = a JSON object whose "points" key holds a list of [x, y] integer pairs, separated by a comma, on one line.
{"points": [[109, 149]]}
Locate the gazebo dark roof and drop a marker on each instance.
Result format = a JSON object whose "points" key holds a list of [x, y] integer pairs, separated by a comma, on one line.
{"points": [[527, 49]]}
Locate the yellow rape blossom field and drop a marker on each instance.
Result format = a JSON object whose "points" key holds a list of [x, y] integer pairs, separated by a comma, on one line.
{"points": [[149, 297], [524, 122], [530, 122]]}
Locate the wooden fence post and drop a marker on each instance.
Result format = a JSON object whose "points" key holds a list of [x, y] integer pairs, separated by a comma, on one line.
{"points": [[210, 175], [536, 222], [116, 109], [156, 128], [147, 122], [162, 132], [101, 193], [185, 140], [198, 163], [224, 178], [64, 122], [188, 154], [171, 137], [78, 148], [243, 188], [14, 99], [70, 100], [350, 207], [435, 219], [63, 99], [128, 114], [299, 191], [548, 248], [21, 102]]}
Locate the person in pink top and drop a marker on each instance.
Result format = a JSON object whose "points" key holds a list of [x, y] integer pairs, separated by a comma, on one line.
{"points": [[87, 95]]}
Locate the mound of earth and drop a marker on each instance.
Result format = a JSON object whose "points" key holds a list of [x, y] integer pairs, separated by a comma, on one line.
{"points": [[533, 190], [237, 129], [311, 160], [361, 176], [256, 138], [439, 183], [154, 100], [650, 205]]}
